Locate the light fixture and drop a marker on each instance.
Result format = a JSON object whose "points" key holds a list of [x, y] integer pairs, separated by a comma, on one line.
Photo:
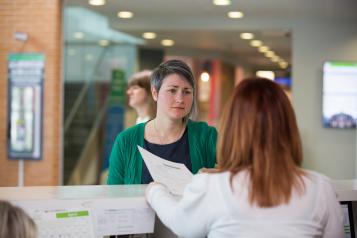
{"points": [[96, 2], [103, 43], [235, 14], [283, 65], [263, 49], [204, 76], [125, 14], [246, 36], [167, 42], [275, 58], [149, 35], [256, 43], [78, 35], [269, 54], [222, 2], [265, 74]]}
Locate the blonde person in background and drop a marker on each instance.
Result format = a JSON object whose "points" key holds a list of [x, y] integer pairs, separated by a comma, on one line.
{"points": [[259, 188], [139, 96], [15, 223]]}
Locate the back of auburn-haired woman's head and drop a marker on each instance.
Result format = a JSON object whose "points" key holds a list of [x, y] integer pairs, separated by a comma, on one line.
{"points": [[259, 133]]}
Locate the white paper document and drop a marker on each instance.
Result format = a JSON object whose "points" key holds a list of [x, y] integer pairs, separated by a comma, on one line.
{"points": [[174, 176]]}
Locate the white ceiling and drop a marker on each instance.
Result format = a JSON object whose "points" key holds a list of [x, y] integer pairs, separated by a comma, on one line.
{"points": [[200, 26]]}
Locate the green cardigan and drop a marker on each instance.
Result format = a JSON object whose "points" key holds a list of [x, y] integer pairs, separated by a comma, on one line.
{"points": [[125, 162]]}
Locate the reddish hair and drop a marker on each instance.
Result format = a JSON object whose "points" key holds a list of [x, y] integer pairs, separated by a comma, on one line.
{"points": [[259, 133]]}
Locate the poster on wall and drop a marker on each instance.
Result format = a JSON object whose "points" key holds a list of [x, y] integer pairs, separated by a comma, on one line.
{"points": [[25, 93]]}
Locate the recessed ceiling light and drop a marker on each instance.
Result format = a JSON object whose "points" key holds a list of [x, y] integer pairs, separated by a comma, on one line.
{"points": [[221, 2], [246, 36], [125, 14], [78, 35], [265, 74], [269, 54], [235, 14], [256, 43], [167, 42], [275, 58], [97, 2], [283, 65], [149, 35], [263, 49], [103, 43]]}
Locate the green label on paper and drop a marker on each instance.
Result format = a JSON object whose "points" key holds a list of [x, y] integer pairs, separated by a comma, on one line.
{"points": [[72, 214], [343, 64]]}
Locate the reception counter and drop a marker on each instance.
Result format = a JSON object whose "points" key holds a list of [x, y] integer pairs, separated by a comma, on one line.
{"points": [[84, 211], [102, 210]]}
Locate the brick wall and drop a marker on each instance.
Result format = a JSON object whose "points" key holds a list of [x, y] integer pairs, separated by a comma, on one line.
{"points": [[42, 21]]}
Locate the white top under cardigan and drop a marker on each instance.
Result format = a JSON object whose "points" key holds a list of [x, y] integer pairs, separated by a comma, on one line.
{"points": [[210, 208]]}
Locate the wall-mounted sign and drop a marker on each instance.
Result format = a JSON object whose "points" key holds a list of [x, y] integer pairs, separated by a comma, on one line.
{"points": [[114, 122], [25, 90]]}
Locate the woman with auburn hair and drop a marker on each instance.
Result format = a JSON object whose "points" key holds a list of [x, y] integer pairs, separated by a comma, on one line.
{"points": [[259, 188], [139, 96]]}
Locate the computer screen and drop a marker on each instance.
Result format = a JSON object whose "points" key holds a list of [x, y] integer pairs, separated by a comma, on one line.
{"points": [[348, 219], [339, 94]]}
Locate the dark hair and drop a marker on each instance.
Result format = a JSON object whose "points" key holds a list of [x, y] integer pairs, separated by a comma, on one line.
{"points": [[175, 67], [259, 132], [15, 223]]}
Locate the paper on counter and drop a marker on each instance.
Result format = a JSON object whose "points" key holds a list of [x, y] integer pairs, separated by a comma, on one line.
{"points": [[174, 176]]}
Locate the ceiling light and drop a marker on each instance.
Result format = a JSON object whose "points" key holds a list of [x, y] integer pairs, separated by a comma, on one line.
{"points": [[263, 49], [235, 14], [125, 14], [149, 35], [97, 2], [78, 35], [246, 36], [103, 43], [167, 42], [256, 43], [275, 58], [222, 2], [283, 65], [269, 54], [265, 74], [204, 77]]}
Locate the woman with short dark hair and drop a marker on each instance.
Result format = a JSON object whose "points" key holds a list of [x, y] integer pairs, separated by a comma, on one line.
{"points": [[172, 135]]}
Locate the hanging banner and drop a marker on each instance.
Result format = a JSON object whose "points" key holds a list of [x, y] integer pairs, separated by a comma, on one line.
{"points": [[115, 113], [25, 93]]}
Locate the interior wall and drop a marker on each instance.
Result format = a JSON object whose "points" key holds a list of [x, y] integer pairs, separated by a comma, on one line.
{"points": [[330, 151], [41, 20]]}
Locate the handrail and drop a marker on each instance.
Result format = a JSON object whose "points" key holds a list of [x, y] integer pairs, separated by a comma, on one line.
{"points": [[83, 161], [75, 107]]}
